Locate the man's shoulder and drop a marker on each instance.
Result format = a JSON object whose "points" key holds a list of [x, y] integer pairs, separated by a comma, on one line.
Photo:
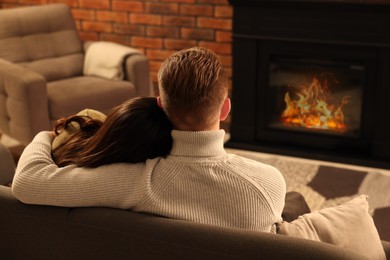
{"points": [[260, 175], [254, 168], [248, 162]]}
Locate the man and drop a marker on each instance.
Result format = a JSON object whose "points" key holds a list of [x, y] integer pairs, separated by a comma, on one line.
{"points": [[197, 182]]}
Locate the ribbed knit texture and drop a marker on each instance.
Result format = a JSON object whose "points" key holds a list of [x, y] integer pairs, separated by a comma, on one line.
{"points": [[198, 182]]}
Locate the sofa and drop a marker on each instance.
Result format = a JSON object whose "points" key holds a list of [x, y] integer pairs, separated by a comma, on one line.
{"points": [[48, 232]]}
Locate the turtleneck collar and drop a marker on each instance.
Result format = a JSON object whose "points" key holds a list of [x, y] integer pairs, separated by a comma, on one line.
{"points": [[202, 143]]}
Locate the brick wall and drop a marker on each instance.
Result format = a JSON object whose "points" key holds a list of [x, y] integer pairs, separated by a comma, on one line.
{"points": [[158, 28]]}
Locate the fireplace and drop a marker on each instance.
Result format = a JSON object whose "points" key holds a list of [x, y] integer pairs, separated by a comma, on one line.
{"points": [[318, 96], [312, 79]]}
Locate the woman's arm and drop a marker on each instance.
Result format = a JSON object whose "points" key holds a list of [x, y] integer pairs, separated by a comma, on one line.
{"points": [[39, 181]]}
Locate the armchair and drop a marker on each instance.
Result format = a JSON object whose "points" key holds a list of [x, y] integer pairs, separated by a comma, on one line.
{"points": [[41, 72]]}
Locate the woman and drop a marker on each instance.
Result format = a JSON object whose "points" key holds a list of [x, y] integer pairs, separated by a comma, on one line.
{"points": [[133, 132]]}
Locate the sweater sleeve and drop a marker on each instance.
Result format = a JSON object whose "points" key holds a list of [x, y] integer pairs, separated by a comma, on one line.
{"points": [[38, 180], [274, 186], [271, 183]]}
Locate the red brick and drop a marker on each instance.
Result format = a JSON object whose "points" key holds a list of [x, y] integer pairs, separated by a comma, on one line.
{"points": [[226, 60], [130, 29], [220, 2], [96, 4], [146, 42], [178, 1], [96, 26], [88, 36], [131, 6], [5, 6], [160, 55], [140, 48], [197, 34], [178, 44], [121, 39], [155, 31], [78, 25], [224, 24], [196, 10], [32, 2], [182, 21], [145, 19], [71, 3], [228, 72], [160, 8], [154, 65], [223, 36], [223, 11], [107, 16], [153, 75], [83, 14], [219, 48]]}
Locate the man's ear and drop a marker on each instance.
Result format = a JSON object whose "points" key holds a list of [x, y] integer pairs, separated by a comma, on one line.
{"points": [[159, 102], [225, 110]]}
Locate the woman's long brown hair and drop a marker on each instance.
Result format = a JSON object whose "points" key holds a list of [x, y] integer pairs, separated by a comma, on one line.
{"points": [[133, 132]]}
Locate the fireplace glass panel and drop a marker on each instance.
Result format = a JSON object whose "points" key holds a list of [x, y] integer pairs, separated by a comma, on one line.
{"points": [[316, 96]]}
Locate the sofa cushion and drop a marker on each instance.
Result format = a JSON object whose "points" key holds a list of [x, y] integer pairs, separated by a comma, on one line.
{"points": [[57, 68], [69, 96], [348, 225]]}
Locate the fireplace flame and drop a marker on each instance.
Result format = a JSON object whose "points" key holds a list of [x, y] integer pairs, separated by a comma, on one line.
{"points": [[310, 108]]}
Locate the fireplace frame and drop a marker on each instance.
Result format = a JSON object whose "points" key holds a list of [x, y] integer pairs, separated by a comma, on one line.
{"points": [[356, 32]]}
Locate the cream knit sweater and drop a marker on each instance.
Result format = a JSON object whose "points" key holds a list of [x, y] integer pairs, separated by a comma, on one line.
{"points": [[197, 182]]}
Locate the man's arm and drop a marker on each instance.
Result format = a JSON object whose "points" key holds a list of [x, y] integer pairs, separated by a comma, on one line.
{"points": [[39, 181], [273, 185]]}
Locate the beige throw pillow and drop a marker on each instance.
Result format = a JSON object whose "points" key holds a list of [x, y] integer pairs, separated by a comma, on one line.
{"points": [[348, 225]]}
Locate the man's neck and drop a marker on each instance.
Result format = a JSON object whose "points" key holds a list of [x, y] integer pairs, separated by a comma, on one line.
{"points": [[183, 127]]}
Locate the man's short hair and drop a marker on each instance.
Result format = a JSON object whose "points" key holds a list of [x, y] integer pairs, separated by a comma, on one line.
{"points": [[192, 87]]}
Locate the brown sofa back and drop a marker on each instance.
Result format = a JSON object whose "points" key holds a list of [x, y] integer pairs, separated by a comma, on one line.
{"points": [[42, 38], [45, 232]]}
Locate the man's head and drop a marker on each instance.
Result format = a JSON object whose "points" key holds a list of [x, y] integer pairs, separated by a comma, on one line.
{"points": [[193, 89]]}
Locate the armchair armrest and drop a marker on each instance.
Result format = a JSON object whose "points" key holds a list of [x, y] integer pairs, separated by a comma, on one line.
{"points": [[23, 102], [136, 69]]}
